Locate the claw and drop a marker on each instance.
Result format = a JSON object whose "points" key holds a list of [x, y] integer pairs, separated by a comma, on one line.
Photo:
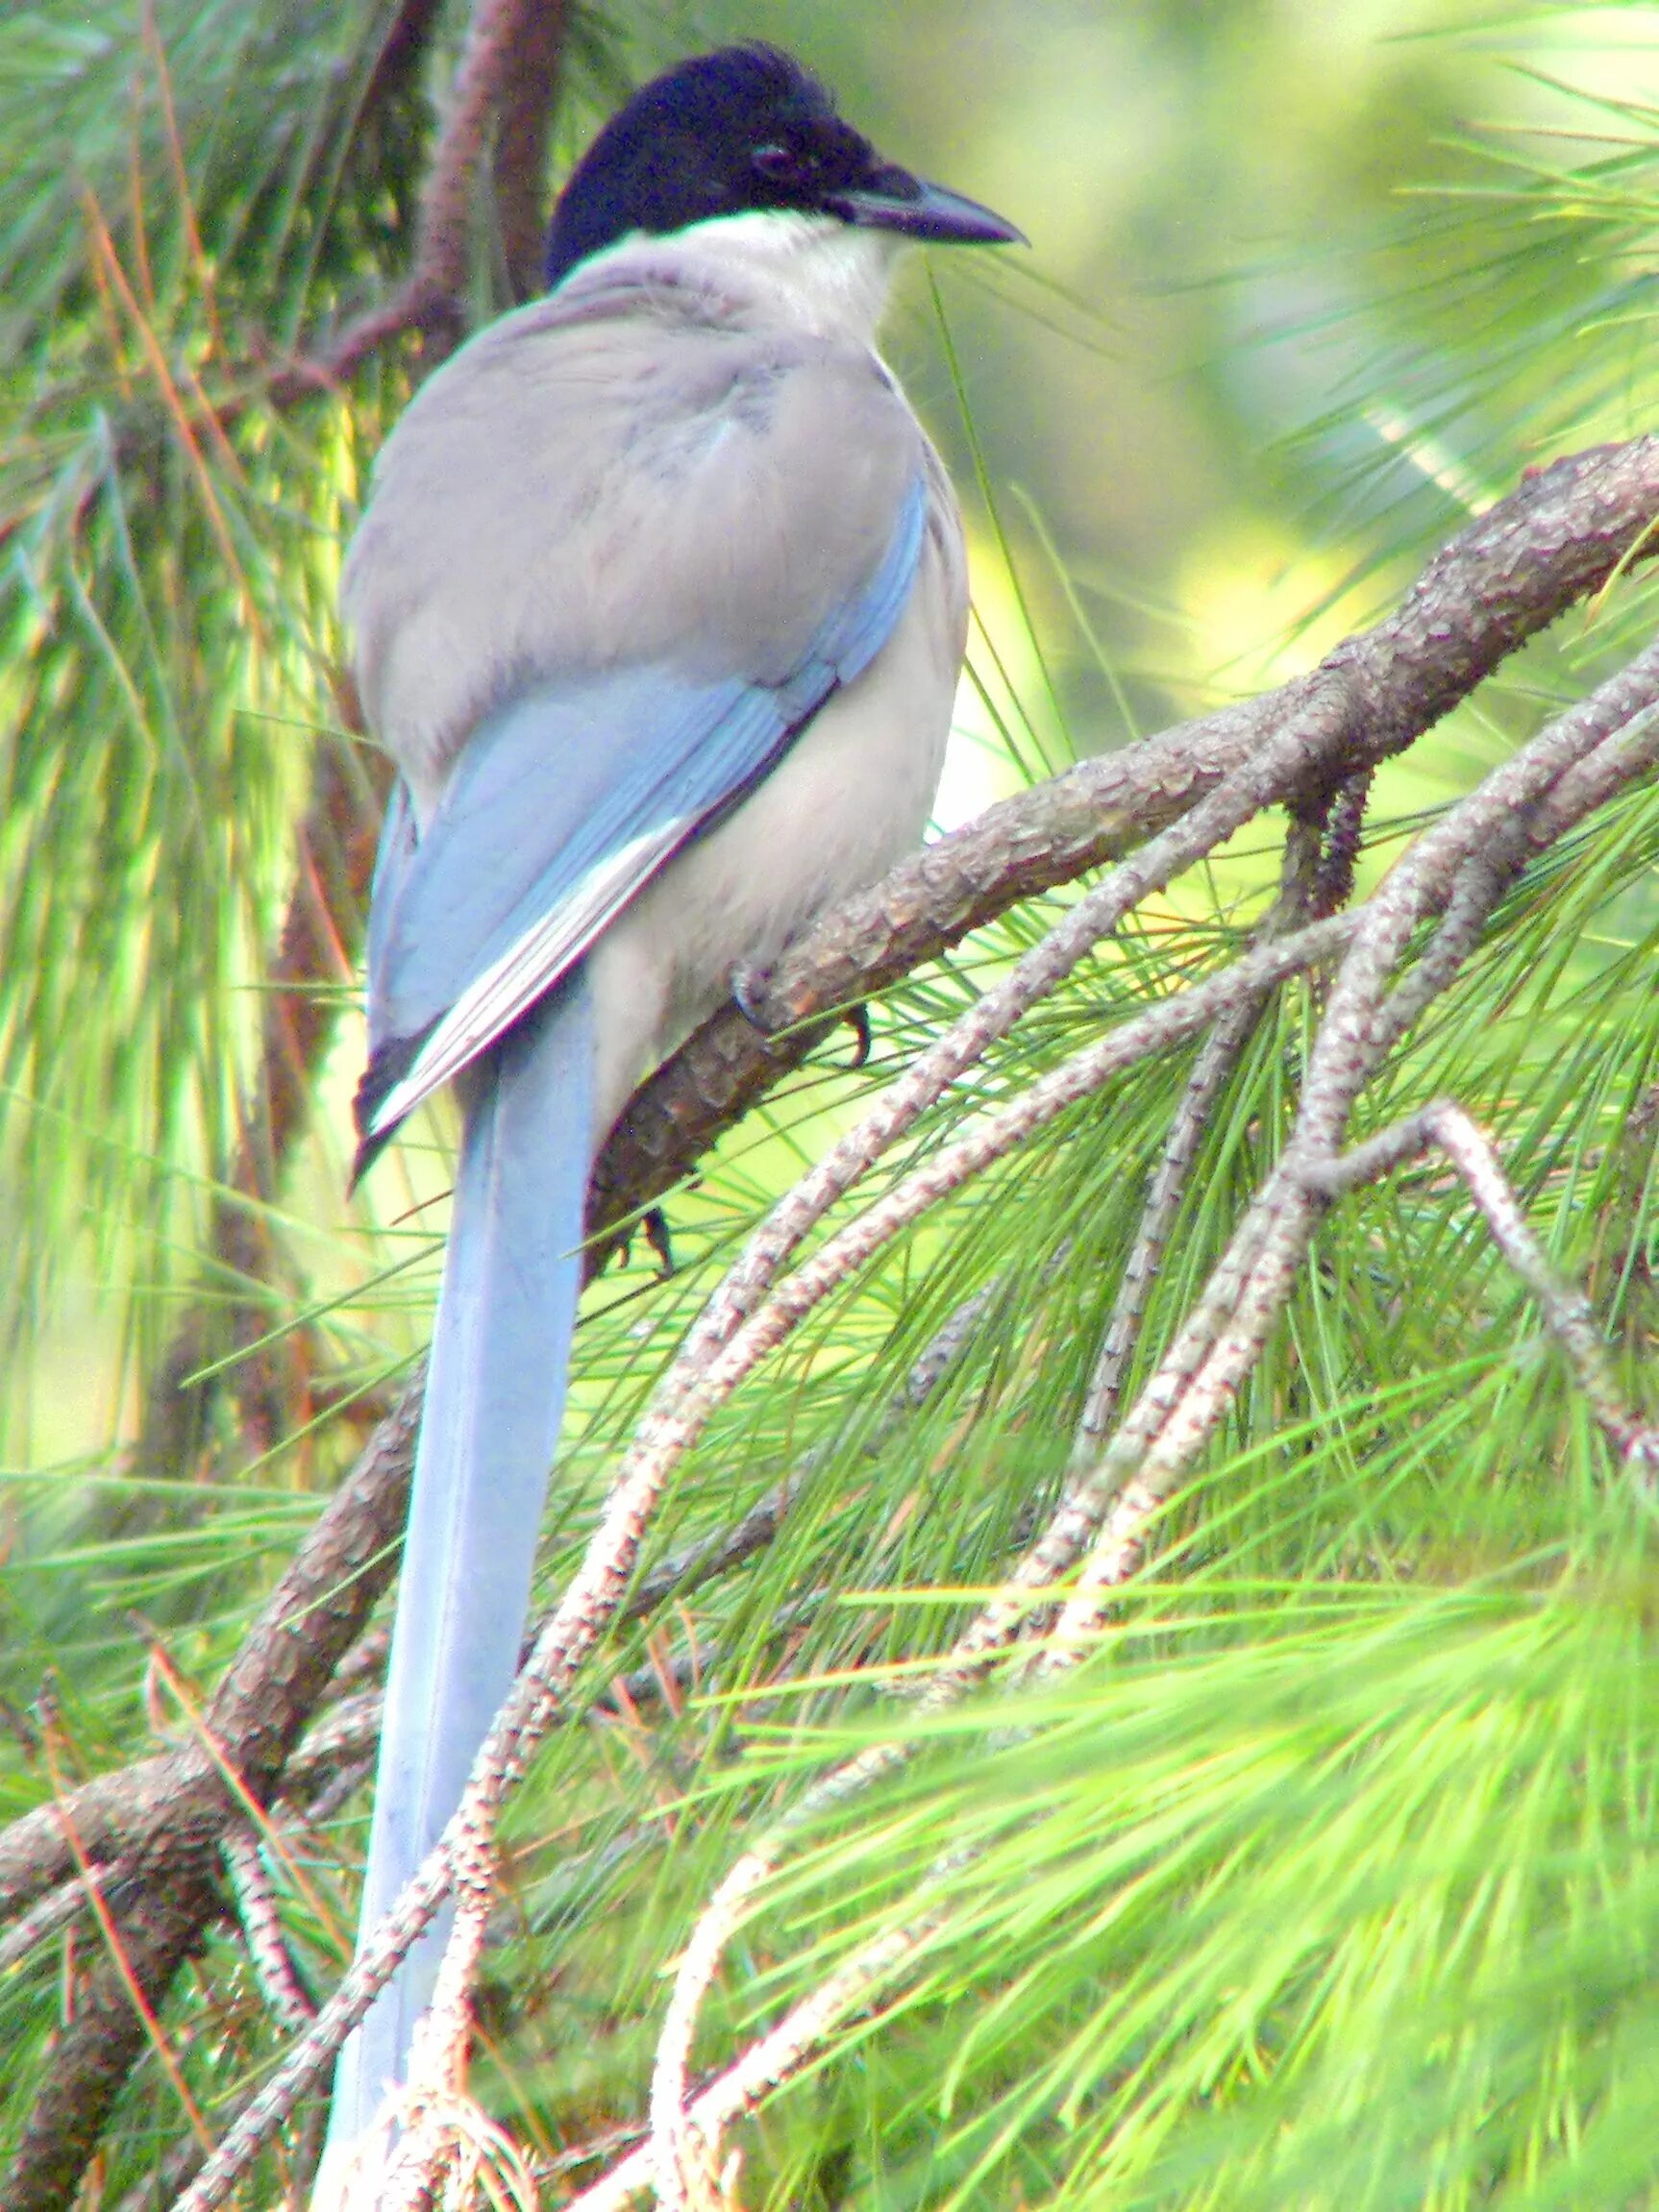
{"points": [[750, 987]]}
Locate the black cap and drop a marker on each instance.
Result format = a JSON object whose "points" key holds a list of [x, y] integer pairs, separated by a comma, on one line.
{"points": [[737, 130]]}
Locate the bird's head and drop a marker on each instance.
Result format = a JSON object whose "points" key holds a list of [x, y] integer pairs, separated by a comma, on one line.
{"points": [[741, 131]]}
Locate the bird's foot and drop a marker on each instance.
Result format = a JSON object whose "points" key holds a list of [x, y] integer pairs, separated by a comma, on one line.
{"points": [[653, 1226], [657, 1235], [750, 988]]}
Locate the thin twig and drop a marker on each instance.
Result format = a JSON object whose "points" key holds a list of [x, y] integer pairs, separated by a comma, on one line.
{"points": [[267, 1948], [435, 2099], [1461, 866], [768, 2063], [701, 1383], [698, 1563], [1217, 1056], [1567, 1309], [518, 167], [337, 1752], [55, 1910], [431, 297]]}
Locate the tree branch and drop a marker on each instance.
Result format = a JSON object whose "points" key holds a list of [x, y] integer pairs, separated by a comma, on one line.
{"points": [[1557, 538], [273, 1685], [519, 168], [1306, 885]]}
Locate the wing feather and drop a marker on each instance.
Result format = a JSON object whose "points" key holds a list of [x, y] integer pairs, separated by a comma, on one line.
{"points": [[565, 803]]}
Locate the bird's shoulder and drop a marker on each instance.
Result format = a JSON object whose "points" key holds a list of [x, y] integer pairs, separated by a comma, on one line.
{"points": [[649, 465], [630, 364]]}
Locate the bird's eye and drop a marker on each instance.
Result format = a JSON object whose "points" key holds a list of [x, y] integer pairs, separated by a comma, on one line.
{"points": [[775, 162]]}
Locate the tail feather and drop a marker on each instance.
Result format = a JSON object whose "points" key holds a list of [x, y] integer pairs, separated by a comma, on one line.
{"points": [[494, 1400]]}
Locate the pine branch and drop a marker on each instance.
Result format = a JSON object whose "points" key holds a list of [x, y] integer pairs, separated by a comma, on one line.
{"points": [[1567, 1310], [1555, 540], [268, 1953]]}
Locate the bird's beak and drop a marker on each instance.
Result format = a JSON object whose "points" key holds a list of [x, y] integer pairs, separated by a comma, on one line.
{"points": [[896, 201]]}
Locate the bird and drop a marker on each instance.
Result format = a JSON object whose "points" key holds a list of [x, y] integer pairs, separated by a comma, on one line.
{"points": [[659, 602]]}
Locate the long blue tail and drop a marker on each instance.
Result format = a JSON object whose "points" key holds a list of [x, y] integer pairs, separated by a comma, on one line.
{"points": [[494, 1400]]}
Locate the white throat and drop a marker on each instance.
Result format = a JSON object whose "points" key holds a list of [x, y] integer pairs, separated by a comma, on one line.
{"points": [[822, 275]]}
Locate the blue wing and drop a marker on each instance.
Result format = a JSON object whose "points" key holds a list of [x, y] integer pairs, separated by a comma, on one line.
{"points": [[567, 802]]}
